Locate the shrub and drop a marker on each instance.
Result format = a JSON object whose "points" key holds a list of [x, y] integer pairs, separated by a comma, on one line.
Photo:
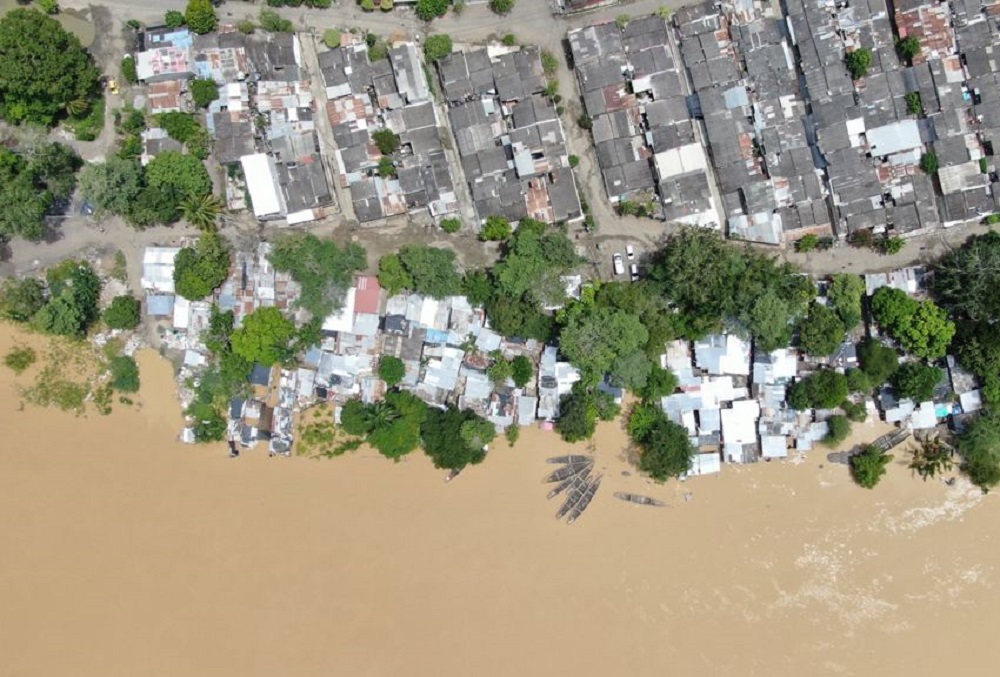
{"points": [[124, 374], [129, 71], [807, 243], [823, 389], [19, 358], [331, 38], [204, 92], [585, 122], [123, 313], [929, 163], [521, 370], [622, 20], [509, 40], [437, 46], [452, 225], [385, 167], [574, 161], [868, 467], [914, 106], [368, 5], [272, 22], [856, 412], [892, 245], [428, 10], [49, 6], [174, 19], [501, 7], [246, 27], [386, 140], [908, 47], [497, 228], [858, 62], [391, 370], [840, 429]]}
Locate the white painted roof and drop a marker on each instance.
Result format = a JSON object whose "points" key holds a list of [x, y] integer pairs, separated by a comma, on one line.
{"points": [[262, 182]]}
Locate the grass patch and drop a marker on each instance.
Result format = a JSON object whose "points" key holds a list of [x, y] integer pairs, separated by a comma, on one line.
{"points": [[20, 358]]}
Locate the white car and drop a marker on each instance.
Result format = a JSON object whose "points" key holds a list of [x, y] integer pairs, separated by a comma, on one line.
{"points": [[634, 272], [629, 252], [619, 264]]}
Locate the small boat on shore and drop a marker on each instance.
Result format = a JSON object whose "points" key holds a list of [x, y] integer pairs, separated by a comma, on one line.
{"points": [[588, 496], [452, 474], [566, 471], [641, 500], [568, 482], [575, 458]]}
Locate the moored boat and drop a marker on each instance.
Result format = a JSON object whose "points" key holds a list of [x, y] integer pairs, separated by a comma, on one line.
{"points": [[568, 482], [566, 471], [574, 458], [636, 498], [588, 496]]}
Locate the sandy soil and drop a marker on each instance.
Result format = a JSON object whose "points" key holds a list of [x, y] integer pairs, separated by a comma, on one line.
{"points": [[127, 553]]}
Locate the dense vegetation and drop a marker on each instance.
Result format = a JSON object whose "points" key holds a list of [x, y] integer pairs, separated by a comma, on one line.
{"points": [[45, 73], [323, 268], [422, 269], [868, 466], [33, 179], [665, 450], [201, 269]]}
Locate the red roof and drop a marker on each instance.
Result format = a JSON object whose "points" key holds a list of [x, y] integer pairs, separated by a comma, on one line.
{"points": [[368, 295]]}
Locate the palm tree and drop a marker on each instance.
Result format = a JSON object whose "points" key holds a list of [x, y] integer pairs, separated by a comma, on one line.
{"points": [[933, 458], [77, 107], [380, 415], [201, 211]]}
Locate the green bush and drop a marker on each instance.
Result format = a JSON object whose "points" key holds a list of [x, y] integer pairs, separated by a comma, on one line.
{"points": [[391, 370], [123, 313], [574, 160], [204, 92], [807, 243], [129, 71], [19, 358], [272, 22], [386, 140], [908, 48], [929, 163], [501, 7], [174, 19], [868, 467], [914, 106], [88, 126], [509, 40], [497, 228], [451, 225], [124, 374], [437, 46], [331, 38], [839, 430], [858, 62]]}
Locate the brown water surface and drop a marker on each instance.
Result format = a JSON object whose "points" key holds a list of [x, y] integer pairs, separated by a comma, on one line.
{"points": [[126, 553]]}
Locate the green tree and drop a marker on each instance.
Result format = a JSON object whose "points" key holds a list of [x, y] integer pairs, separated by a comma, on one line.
{"points": [[500, 371], [452, 225], [391, 370], [878, 361], [432, 269], [123, 313], [501, 7], [124, 374], [908, 48], [921, 327], [444, 442], [631, 371], [916, 381], [272, 22], [200, 16], [204, 92], [839, 430], [858, 62], [428, 10], [386, 167], [665, 450], [392, 275], [201, 269], [856, 412], [521, 370], [42, 68], [577, 416], [353, 419], [929, 163], [891, 245], [979, 446], [264, 336], [52, 167], [60, 316], [437, 46], [201, 211], [496, 228], [821, 332], [477, 287], [174, 19], [858, 381], [823, 389], [322, 268], [179, 175], [128, 69], [932, 458], [868, 466], [914, 106], [592, 340], [477, 433], [21, 298], [768, 322], [845, 294], [209, 425], [386, 140], [807, 243], [112, 186], [966, 279], [661, 382], [403, 435]]}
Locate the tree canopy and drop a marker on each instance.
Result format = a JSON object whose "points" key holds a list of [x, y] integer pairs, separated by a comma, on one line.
{"points": [[428, 10], [123, 313], [200, 270], [200, 16], [437, 46], [665, 450], [391, 370], [428, 270], [264, 336], [178, 175], [823, 389], [74, 291], [43, 68], [323, 268], [979, 446], [33, 177], [966, 280], [708, 281], [594, 338], [445, 443], [845, 294], [921, 327], [878, 361], [868, 467], [821, 332], [204, 92], [21, 298], [858, 62], [916, 381], [112, 186]]}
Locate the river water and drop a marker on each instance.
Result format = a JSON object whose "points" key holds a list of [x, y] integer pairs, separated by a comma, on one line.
{"points": [[127, 553]]}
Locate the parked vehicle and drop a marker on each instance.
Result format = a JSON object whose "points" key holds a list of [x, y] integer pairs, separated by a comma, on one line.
{"points": [[634, 272], [619, 264], [630, 252]]}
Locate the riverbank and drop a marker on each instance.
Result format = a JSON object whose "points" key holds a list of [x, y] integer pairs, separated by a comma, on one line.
{"points": [[128, 553]]}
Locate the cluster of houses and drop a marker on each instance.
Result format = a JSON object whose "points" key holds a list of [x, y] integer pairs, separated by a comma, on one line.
{"points": [[796, 146], [262, 124], [730, 398]]}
